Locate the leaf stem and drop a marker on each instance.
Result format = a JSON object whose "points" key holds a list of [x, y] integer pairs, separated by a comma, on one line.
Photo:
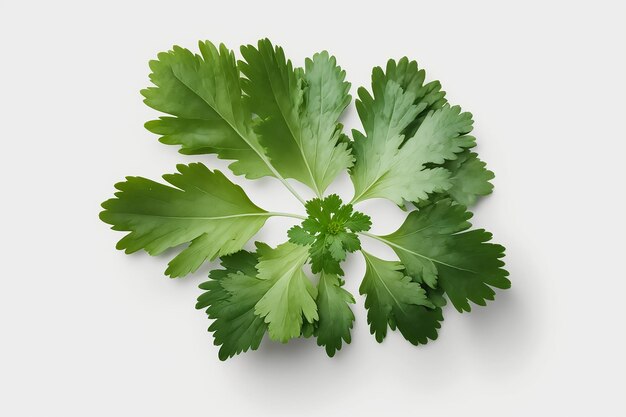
{"points": [[274, 171], [373, 236], [281, 214], [357, 198], [289, 187]]}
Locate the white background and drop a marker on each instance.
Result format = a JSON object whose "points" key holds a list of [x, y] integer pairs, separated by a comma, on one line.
{"points": [[88, 331]]}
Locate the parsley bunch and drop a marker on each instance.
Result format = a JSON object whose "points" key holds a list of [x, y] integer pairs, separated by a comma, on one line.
{"points": [[272, 119]]}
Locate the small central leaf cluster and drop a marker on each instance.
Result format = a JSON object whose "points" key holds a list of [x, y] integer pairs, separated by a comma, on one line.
{"points": [[330, 231]]}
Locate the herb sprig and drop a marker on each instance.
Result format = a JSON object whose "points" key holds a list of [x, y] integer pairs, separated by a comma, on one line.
{"points": [[273, 119]]}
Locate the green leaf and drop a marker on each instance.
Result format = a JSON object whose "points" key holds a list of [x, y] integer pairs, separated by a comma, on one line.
{"points": [[384, 167], [437, 249], [321, 258], [329, 232], [358, 222], [335, 314], [242, 261], [470, 178], [436, 296], [300, 236], [299, 110], [350, 241], [204, 93], [203, 207], [291, 295], [411, 79], [308, 329], [394, 300], [229, 298], [335, 247]]}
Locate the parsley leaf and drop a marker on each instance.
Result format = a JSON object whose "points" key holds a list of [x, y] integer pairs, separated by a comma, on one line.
{"points": [[384, 167], [436, 248], [410, 78], [330, 232], [470, 178], [394, 300], [259, 292], [229, 299], [291, 295], [204, 93], [202, 208], [335, 314], [298, 112]]}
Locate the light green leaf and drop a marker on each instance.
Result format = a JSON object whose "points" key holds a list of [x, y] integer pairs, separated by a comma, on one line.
{"points": [[469, 178], [394, 300], [436, 248], [325, 99], [291, 295], [203, 208], [335, 315], [299, 112], [384, 168], [441, 136], [204, 93], [384, 116]]}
